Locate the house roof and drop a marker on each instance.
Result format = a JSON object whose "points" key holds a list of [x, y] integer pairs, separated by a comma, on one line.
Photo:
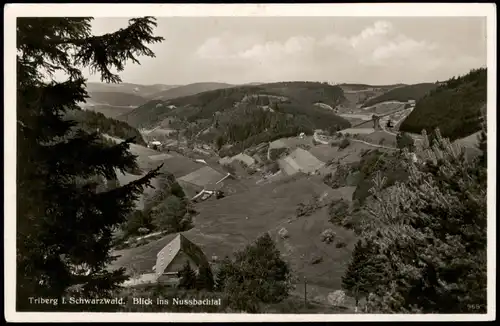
{"points": [[180, 243], [300, 160], [203, 176]]}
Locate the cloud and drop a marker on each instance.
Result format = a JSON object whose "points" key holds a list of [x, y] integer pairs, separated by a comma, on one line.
{"points": [[212, 48], [380, 50], [295, 45], [377, 44]]}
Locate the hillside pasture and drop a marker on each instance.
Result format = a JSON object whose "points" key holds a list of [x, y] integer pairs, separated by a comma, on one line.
{"points": [[226, 225]]}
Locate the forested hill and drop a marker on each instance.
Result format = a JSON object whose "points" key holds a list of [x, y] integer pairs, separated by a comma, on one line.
{"points": [[247, 115], [204, 105], [91, 121], [454, 107], [403, 93]]}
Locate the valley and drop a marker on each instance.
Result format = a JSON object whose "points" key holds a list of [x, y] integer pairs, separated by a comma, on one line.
{"points": [[268, 180]]}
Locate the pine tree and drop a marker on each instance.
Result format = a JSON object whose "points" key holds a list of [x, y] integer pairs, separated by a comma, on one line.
{"points": [[366, 271], [257, 274], [205, 279], [225, 269], [187, 277], [64, 225], [431, 230]]}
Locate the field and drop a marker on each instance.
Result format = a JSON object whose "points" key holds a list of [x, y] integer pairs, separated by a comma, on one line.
{"points": [[143, 153], [228, 224]]}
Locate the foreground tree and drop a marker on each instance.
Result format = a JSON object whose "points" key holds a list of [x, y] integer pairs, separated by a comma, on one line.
{"points": [[64, 225], [366, 271], [257, 274], [431, 233]]}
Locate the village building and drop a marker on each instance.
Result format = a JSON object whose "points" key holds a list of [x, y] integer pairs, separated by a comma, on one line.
{"points": [[204, 183], [171, 259], [300, 160]]}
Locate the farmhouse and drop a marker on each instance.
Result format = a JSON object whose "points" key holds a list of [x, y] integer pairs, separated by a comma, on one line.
{"points": [[203, 183], [300, 160], [171, 259], [202, 176]]}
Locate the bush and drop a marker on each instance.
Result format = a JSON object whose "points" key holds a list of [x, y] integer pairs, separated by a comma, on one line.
{"points": [[327, 236], [405, 141], [276, 153], [315, 259], [344, 143], [340, 244], [336, 298], [337, 211], [187, 277], [274, 167], [306, 209]]}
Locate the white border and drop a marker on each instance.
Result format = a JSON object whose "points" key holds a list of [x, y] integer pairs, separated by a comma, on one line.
{"points": [[11, 11]]}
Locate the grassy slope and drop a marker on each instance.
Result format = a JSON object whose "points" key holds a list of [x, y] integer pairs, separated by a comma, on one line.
{"points": [[222, 227], [454, 107], [403, 94]]}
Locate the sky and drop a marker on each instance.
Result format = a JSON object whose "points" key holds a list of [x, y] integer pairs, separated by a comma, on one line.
{"points": [[371, 50]]}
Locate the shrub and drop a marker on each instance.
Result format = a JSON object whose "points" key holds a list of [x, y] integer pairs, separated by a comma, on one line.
{"points": [[276, 153], [205, 279], [340, 244], [273, 167], [404, 140], [337, 211], [327, 236], [306, 209], [187, 277], [344, 143], [336, 298], [316, 259]]}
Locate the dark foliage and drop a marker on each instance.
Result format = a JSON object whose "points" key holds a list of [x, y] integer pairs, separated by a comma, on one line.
{"points": [[64, 225], [256, 275], [454, 107], [92, 121], [187, 277], [403, 93]]}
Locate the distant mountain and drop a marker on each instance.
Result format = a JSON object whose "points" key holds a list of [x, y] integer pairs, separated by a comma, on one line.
{"points": [[109, 111], [116, 99], [403, 93], [136, 89], [187, 90], [243, 116], [456, 107]]}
